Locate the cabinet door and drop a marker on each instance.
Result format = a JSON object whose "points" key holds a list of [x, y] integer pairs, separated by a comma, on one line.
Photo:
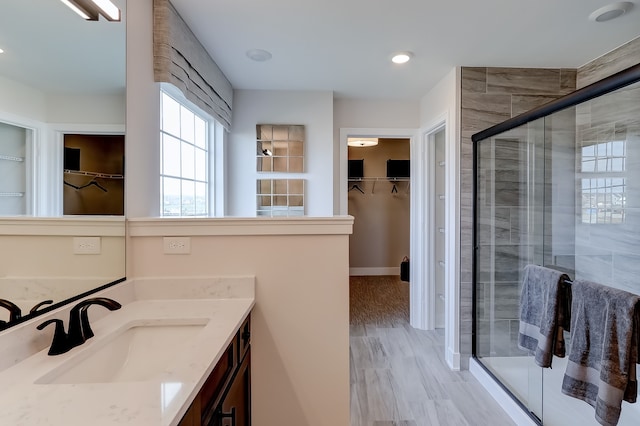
{"points": [[235, 408], [192, 416]]}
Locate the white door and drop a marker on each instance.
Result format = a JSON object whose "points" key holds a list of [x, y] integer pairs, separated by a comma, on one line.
{"points": [[438, 209]]}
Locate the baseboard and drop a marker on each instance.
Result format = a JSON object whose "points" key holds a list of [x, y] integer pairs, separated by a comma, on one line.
{"points": [[453, 359], [375, 271], [505, 401]]}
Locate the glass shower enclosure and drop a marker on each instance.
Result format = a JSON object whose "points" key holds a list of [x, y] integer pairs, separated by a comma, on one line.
{"points": [[557, 187]]}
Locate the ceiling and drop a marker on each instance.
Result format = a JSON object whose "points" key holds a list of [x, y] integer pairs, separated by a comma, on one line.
{"points": [[341, 46], [50, 48], [345, 46]]}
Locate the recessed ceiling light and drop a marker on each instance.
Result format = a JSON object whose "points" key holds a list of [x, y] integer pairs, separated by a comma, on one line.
{"points": [[401, 57], [362, 142], [611, 11], [1, 51], [258, 55]]}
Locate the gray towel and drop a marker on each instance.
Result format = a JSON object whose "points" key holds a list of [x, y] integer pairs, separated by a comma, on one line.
{"points": [[603, 350], [543, 313]]}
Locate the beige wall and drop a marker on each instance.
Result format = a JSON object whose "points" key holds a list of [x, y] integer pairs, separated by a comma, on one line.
{"points": [[52, 256], [300, 336], [380, 236]]}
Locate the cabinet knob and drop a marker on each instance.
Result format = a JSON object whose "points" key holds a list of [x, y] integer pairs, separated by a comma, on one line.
{"points": [[246, 335]]}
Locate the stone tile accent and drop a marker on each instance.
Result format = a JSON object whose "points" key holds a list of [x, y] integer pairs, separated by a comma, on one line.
{"points": [[523, 103], [489, 97], [567, 80], [523, 81], [617, 60], [480, 111], [474, 80]]}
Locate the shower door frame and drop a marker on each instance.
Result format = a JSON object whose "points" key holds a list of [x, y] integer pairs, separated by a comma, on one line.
{"points": [[614, 82]]}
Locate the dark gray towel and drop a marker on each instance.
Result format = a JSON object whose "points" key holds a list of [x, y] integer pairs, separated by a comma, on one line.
{"points": [[603, 350], [543, 313]]}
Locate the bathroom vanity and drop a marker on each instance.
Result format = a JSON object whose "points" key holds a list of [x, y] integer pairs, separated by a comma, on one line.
{"points": [[225, 397], [174, 354]]}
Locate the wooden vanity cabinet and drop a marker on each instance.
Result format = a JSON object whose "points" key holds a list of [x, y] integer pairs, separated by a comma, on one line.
{"points": [[225, 397]]}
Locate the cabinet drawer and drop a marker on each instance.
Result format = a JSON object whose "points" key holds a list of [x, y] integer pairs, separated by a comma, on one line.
{"points": [[225, 397], [218, 379]]}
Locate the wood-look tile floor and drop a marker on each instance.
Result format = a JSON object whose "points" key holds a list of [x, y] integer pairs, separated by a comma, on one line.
{"points": [[399, 378]]}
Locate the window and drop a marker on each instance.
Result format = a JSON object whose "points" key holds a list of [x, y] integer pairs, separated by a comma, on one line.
{"points": [[184, 162]]}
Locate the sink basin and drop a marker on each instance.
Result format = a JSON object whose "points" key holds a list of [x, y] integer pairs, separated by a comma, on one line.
{"points": [[138, 352]]}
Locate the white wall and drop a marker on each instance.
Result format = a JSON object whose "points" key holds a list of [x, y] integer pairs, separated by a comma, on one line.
{"points": [[21, 101], [442, 98], [440, 106], [31, 105], [142, 150], [86, 109], [314, 110]]}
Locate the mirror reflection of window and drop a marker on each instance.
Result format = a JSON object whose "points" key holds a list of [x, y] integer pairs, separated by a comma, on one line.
{"points": [[280, 148], [280, 197], [603, 183]]}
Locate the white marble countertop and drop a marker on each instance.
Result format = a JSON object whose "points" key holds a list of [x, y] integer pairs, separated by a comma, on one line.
{"points": [[160, 400]]}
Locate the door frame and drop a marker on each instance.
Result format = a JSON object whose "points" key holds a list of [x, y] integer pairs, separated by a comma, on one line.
{"points": [[419, 302], [54, 178], [416, 289]]}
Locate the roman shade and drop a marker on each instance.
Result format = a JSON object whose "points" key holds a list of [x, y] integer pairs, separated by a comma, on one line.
{"points": [[180, 59]]}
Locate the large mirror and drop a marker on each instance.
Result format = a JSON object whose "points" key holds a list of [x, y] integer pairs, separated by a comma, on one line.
{"points": [[62, 125]]}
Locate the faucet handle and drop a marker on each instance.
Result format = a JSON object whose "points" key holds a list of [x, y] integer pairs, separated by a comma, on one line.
{"points": [[39, 305], [14, 310], [84, 323], [60, 343]]}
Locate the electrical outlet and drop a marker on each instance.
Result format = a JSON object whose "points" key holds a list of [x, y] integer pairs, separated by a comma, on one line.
{"points": [[177, 245], [86, 245]]}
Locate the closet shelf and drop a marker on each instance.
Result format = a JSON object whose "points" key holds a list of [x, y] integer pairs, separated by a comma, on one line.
{"points": [[11, 158], [376, 179], [94, 174]]}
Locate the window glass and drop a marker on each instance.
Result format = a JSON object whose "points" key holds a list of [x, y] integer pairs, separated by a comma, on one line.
{"points": [[184, 159]]}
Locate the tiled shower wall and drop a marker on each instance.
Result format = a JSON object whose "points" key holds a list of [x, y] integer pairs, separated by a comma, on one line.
{"points": [[607, 251], [490, 96]]}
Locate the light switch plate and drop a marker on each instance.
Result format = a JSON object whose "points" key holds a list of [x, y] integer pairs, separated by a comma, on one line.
{"points": [[86, 245], [177, 245]]}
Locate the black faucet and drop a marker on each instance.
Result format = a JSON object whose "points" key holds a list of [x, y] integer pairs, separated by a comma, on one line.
{"points": [[39, 305], [79, 328], [14, 311], [60, 343]]}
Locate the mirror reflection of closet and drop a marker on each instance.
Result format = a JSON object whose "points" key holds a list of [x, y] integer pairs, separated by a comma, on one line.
{"points": [[59, 74], [93, 174], [13, 170]]}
